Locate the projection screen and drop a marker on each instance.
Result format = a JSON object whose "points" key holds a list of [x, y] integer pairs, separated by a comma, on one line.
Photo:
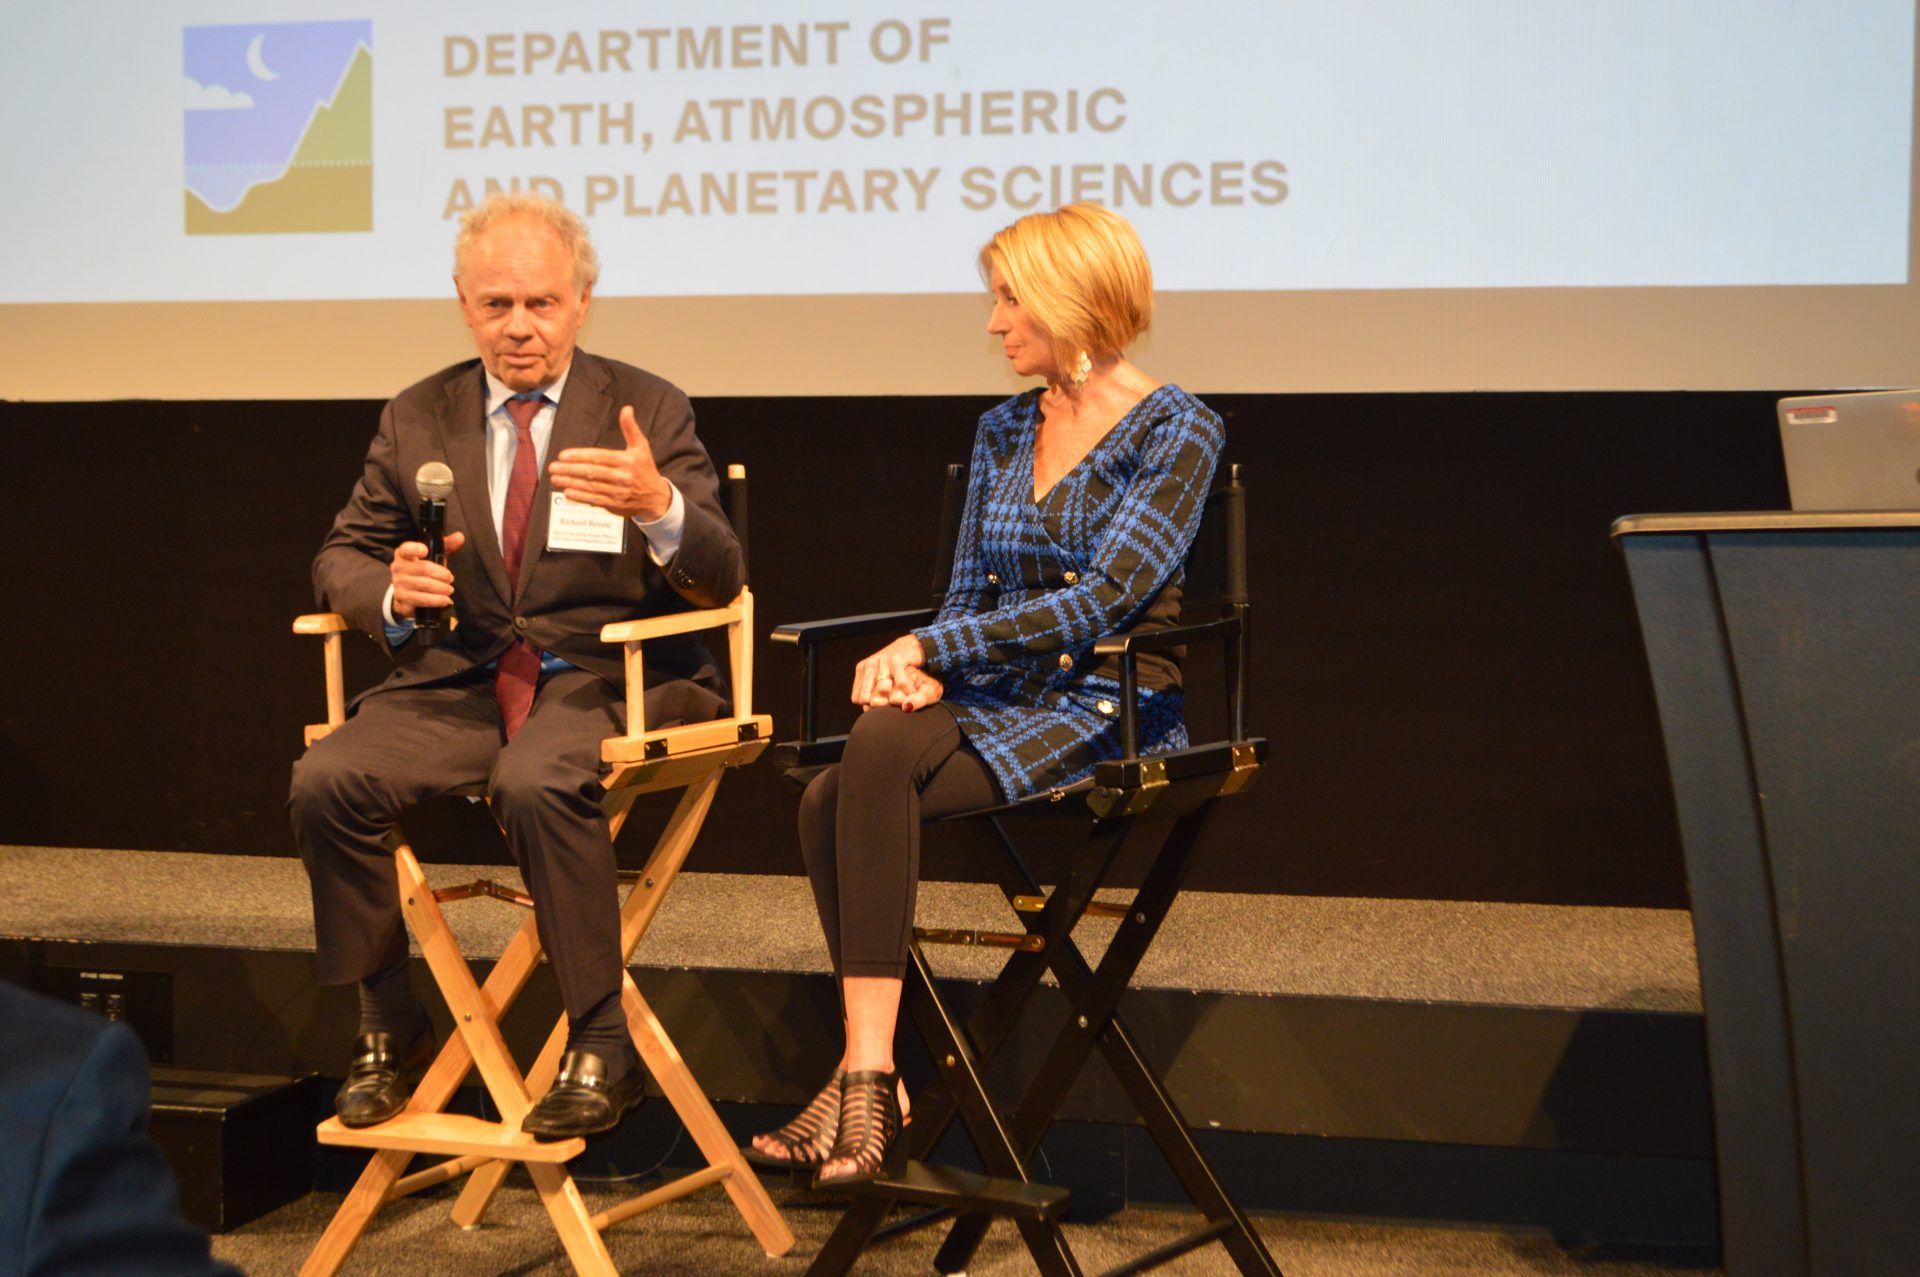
{"points": [[257, 200]]}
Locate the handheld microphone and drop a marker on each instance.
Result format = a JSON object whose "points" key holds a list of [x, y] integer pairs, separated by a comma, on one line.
{"points": [[435, 481]]}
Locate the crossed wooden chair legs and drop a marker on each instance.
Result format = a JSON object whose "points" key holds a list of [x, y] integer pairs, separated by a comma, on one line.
{"points": [[485, 1151]]}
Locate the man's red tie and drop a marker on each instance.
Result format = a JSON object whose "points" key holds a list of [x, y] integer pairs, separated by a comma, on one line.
{"points": [[517, 672]]}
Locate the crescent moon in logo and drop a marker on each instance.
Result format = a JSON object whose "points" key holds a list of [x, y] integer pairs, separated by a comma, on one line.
{"points": [[256, 63]]}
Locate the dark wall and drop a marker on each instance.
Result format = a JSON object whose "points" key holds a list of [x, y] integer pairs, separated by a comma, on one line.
{"points": [[1447, 660]]}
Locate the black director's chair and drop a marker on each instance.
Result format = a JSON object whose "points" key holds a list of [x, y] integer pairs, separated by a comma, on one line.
{"points": [[1154, 805]]}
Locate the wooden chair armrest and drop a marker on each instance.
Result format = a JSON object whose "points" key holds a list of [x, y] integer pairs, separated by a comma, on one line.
{"points": [[671, 623], [736, 616], [330, 626]]}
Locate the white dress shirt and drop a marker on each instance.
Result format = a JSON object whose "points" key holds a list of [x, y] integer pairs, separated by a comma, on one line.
{"points": [[663, 534]]}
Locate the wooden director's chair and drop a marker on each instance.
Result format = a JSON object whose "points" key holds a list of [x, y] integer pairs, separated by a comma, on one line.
{"points": [[691, 758], [1154, 805]]}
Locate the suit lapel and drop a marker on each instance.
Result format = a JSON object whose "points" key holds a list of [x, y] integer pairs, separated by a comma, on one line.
{"points": [[583, 414], [463, 435]]}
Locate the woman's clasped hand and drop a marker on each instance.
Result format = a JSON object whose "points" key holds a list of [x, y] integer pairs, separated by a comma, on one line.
{"points": [[894, 675]]}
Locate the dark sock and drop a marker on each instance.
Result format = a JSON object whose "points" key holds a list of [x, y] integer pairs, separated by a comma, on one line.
{"points": [[387, 1004], [603, 1031]]}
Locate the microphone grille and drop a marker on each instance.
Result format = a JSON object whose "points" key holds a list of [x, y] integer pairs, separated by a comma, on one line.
{"points": [[435, 481]]}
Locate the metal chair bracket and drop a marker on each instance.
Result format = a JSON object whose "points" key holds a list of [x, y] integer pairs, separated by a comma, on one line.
{"points": [[1094, 909], [1108, 802], [1246, 769], [1024, 942], [484, 887]]}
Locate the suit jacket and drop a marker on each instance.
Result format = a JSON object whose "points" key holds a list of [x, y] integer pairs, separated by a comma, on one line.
{"points": [[83, 1189], [1036, 583], [561, 598]]}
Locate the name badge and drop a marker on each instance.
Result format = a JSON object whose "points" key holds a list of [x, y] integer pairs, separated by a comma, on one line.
{"points": [[574, 525]]}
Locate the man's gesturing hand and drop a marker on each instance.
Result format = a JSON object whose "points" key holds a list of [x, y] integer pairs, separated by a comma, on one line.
{"points": [[626, 481], [420, 582]]}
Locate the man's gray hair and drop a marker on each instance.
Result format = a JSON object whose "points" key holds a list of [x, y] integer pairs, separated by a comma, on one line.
{"points": [[505, 204]]}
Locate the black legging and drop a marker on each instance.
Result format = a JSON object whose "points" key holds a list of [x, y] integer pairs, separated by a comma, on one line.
{"points": [[860, 829]]}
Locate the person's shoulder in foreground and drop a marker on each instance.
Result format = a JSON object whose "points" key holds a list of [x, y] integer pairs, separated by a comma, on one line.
{"points": [[83, 1188]]}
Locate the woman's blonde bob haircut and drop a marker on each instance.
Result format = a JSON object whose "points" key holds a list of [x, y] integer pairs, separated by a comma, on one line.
{"points": [[1082, 274], [502, 205]]}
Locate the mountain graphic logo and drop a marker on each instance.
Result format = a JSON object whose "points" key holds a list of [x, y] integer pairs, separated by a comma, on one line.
{"points": [[279, 128]]}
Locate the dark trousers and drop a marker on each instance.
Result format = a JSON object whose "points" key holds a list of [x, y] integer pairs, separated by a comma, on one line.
{"points": [[860, 829], [412, 743]]}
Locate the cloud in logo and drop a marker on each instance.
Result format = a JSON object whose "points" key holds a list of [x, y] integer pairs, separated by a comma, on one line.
{"points": [[212, 97]]}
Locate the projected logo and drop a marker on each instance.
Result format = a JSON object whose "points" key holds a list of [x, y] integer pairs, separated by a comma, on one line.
{"points": [[279, 128]]}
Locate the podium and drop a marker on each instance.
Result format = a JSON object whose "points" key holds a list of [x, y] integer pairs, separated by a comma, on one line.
{"points": [[1785, 653]]}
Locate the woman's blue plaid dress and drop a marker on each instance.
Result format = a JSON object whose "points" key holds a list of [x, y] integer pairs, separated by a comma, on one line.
{"points": [[1035, 584]]}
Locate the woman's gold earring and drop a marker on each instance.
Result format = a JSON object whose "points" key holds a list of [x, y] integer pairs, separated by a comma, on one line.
{"points": [[1082, 369]]}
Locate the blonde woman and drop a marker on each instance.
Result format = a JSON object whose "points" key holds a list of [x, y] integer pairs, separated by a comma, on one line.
{"points": [[1083, 497]]}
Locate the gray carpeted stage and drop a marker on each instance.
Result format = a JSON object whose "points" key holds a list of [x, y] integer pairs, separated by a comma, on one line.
{"points": [[1401, 950], [700, 1237], [1512, 1077]]}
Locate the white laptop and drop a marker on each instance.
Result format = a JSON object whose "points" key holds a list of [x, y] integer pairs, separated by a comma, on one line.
{"points": [[1853, 452]]}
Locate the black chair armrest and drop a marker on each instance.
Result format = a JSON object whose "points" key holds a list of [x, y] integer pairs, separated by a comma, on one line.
{"points": [[798, 760], [1160, 640], [1229, 630], [807, 633], [1178, 781]]}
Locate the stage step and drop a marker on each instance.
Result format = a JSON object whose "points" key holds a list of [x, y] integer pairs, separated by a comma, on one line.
{"points": [[237, 1142], [1468, 1061]]}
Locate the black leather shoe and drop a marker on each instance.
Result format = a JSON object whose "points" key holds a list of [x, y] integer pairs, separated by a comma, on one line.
{"points": [[582, 1101], [384, 1073]]}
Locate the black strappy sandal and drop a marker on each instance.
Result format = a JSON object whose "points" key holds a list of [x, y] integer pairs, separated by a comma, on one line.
{"points": [[870, 1124], [808, 1140]]}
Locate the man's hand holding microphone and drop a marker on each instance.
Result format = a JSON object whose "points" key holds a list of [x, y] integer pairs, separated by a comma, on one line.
{"points": [[422, 583]]}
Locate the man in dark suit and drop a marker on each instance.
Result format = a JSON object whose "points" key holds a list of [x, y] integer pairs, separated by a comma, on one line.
{"points": [[83, 1188], [521, 693]]}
